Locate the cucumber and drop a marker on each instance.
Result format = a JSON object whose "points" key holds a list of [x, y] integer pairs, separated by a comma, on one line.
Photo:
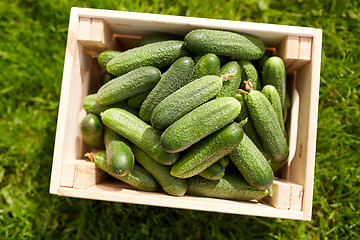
{"points": [[231, 84], [267, 125], [129, 84], [184, 100], [209, 64], [118, 152], [249, 73], [259, 63], [137, 100], [106, 77], [248, 127], [252, 164], [228, 187], [214, 172], [158, 37], [225, 43], [273, 73], [287, 107], [171, 185], [273, 96], [276, 165], [223, 59], [106, 56], [138, 132], [199, 123], [175, 77], [159, 54], [92, 106], [138, 177], [224, 161], [207, 151], [92, 131]]}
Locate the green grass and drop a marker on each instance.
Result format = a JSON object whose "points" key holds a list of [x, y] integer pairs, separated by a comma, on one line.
{"points": [[32, 46]]}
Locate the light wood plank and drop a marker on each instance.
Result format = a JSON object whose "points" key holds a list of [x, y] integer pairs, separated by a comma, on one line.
{"points": [[67, 174], [84, 29], [305, 44], [87, 174]]}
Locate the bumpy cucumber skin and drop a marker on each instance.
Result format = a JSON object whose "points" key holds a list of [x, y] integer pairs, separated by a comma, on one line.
{"points": [[127, 85], [273, 73], [106, 56], [273, 96], [137, 100], [199, 123], [118, 152], [92, 131], [209, 64], [225, 43], [214, 172], [249, 73], [185, 99], [230, 85], [175, 77], [228, 187], [138, 132], [248, 127], [92, 106], [252, 164], [158, 37], [159, 54], [170, 184], [207, 151], [138, 177], [267, 126]]}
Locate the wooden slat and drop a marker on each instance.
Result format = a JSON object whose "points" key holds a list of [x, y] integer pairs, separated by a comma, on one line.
{"points": [[305, 45], [84, 29], [288, 49]]}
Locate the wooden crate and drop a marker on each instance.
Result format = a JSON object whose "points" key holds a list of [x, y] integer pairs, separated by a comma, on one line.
{"points": [[92, 31]]}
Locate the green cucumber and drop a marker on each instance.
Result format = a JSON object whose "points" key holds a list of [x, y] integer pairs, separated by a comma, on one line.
{"points": [[273, 73], [248, 127], [224, 161], [199, 123], [118, 152], [225, 43], [185, 99], [170, 184], [273, 96], [92, 106], [214, 172], [159, 54], [158, 37], [106, 56], [138, 177], [175, 77], [252, 164], [267, 125], [137, 100], [228, 187], [129, 84], [231, 84], [259, 63], [209, 64], [287, 107], [207, 151], [92, 131], [276, 165], [106, 77], [249, 73], [138, 132]]}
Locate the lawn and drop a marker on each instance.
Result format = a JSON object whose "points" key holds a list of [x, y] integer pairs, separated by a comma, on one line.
{"points": [[32, 47]]}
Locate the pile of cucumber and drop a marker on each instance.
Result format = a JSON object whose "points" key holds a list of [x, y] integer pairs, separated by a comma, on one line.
{"points": [[201, 115]]}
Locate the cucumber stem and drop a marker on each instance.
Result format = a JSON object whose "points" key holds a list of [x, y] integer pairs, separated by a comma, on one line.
{"points": [[242, 91], [92, 53], [248, 85], [227, 76], [243, 122], [90, 156]]}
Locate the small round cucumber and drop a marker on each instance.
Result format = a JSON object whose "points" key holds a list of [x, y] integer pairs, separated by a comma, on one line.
{"points": [[137, 100], [170, 184], [92, 131], [209, 64], [207, 151], [158, 37], [118, 152], [224, 43], [228, 187], [199, 123], [231, 84], [127, 85], [249, 73], [214, 172], [175, 77], [138, 132], [273, 73], [185, 99], [252, 164], [138, 177], [106, 56], [159, 55]]}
